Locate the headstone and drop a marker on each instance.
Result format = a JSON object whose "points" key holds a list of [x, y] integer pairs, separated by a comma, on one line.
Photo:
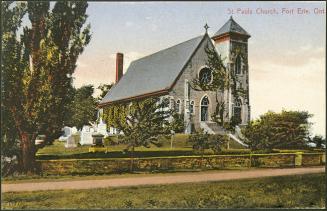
{"points": [[102, 128], [70, 142], [74, 130], [67, 132], [86, 135], [97, 139]]}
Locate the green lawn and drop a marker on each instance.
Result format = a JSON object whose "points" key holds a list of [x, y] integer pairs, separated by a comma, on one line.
{"points": [[300, 191]]}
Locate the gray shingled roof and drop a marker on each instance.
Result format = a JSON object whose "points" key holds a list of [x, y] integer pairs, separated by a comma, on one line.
{"points": [[231, 26], [153, 73]]}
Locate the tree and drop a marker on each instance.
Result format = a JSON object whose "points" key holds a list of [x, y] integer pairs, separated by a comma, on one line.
{"points": [[202, 140], [38, 71], [319, 141], [142, 122], [11, 50], [286, 130], [104, 88], [83, 108], [223, 80]]}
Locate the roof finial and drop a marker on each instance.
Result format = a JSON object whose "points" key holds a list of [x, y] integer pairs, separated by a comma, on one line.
{"points": [[206, 27], [231, 17]]}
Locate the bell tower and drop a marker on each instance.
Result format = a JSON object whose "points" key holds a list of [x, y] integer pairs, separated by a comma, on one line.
{"points": [[231, 42]]}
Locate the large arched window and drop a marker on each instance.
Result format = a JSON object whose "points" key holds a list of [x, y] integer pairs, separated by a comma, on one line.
{"points": [[238, 65], [205, 109], [205, 75]]}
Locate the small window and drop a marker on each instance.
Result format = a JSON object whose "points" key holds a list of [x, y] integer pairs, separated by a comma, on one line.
{"points": [[205, 75], [177, 108], [238, 65], [192, 107]]}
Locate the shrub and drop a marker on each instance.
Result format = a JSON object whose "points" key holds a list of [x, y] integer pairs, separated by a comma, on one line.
{"points": [[235, 151]]}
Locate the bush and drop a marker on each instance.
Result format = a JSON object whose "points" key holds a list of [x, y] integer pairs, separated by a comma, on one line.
{"points": [[235, 151], [113, 140]]}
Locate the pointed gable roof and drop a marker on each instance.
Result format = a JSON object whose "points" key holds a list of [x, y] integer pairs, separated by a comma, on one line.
{"points": [[153, 74], [231, 27]]}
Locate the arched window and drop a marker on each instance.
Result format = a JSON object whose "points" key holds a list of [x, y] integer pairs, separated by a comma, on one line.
{"points": [[192, 107], [238, 65], [205, 75], [177, 108], [205, 109], [237, 111]]}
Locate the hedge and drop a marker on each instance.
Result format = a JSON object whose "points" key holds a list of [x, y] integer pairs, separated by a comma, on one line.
{"points": [[176, 163]]}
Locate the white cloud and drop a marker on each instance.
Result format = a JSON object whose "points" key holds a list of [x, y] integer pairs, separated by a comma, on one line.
{"points": [[129, 24], [274, 86]]}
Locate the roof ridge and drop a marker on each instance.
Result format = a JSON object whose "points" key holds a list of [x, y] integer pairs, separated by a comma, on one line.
{"points": [[168, 48]]}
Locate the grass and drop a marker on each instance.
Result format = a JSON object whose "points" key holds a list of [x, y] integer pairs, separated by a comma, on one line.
{"points": [[299, 191]]}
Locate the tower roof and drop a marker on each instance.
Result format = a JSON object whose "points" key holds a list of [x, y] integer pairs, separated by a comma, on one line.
{"points": [[231, 27]]}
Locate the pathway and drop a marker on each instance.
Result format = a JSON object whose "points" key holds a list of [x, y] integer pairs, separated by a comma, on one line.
{"points": [[155, 180]]}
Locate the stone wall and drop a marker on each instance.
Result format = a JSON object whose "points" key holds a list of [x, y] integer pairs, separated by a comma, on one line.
{"points": [[119, 165]]}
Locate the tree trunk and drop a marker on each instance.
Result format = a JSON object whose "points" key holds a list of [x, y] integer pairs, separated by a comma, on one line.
{"points": [[132, 159], [27, 159], [202, 154]]}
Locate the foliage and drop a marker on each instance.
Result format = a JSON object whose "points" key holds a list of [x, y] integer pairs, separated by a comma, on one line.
{"points": [[83, 108], [295, 191], [11, 19], [104, 88], [141, 121], [37, 68], [223, 80], [285, 130], [319, 141], [177, 124], [202, 140]]}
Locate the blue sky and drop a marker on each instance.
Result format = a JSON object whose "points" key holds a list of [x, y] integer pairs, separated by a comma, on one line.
{"points": [[286, 51]]}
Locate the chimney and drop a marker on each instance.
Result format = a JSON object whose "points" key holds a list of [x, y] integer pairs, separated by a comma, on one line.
{"points": [[119, 66]]}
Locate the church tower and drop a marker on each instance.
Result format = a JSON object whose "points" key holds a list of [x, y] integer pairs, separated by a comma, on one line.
{"points": [[231, 42]]}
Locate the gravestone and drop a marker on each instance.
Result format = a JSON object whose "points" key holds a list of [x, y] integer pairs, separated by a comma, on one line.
{"points": [[67, 132], [102, 128], [86, 135], [70, 142]]}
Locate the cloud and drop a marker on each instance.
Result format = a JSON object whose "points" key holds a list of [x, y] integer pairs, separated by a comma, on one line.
{"points": [[274, 86], [295, 57]]}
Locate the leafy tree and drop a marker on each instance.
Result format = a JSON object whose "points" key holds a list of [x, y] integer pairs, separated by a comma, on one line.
{"points": [[177, 123], [11, 19], [83, 108], [38, 71], [201, 140], [142, 122], [285, 130], [319, 141], [223, 80], [104, 88]]}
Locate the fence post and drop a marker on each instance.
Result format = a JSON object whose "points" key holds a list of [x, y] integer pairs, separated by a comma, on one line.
{"points": [[298, 159], [323, 158]]}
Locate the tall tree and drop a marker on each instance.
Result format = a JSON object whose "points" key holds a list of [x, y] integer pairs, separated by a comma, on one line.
{"points": [[41, 71], [285, 130], [11, 56], [83, 108], [142, 122]]}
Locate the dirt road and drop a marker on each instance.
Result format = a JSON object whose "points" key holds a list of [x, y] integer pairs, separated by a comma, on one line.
{"points": [[154, 180]]}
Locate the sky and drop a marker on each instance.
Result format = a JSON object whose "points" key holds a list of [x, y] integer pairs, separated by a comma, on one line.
{"points": [[286, 49]]}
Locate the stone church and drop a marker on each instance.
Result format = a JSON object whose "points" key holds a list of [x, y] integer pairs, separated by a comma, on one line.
{"points": [[168, 74]]}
